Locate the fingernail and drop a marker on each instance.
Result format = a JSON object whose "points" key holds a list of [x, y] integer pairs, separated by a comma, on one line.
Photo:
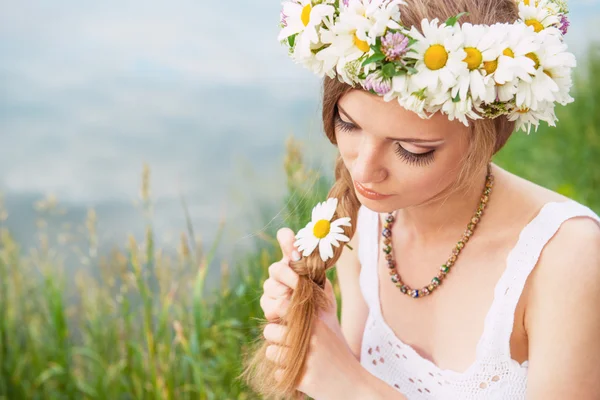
{"points": [[296, 256]]}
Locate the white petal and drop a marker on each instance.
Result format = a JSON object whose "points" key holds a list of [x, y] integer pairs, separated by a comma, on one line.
{"points": [[289, 30], [330, 207], [310, 33], [341, 238], [325, 249], [336, 229], [317, 212], [306, 231], [426, 28], [477, 86], [309, 246], [345, 221], [292, 9], [448, 79], [300, 244]]}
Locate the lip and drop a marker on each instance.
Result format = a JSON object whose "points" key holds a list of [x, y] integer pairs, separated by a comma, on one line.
{"points": [[369, 194]]}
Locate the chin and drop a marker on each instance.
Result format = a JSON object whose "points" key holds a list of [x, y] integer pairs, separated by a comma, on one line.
{"points": [[381, 206]]}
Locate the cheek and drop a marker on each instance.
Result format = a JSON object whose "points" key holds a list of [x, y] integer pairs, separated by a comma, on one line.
{"points": [[348, 146], [418, 184], [428, 181]]}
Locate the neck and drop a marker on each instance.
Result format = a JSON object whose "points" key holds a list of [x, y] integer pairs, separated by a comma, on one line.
{"points": [[443, 218]]}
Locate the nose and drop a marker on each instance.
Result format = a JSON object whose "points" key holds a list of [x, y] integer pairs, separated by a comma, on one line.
{"points": [[368, 167]]}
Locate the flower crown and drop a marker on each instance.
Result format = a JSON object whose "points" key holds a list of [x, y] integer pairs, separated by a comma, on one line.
{"points": [[478, 71]]}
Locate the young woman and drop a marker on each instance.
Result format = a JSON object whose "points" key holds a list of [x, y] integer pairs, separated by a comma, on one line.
{"points": [[466, 281]]}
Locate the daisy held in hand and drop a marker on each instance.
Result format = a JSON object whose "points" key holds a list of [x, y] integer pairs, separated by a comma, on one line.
{"points": [[312, 304], [521, 70], [322, 232]]}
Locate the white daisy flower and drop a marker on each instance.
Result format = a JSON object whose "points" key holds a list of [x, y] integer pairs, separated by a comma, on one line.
{"points": [[540, 89], [460, 109], [526, 117], [302, 18], [321, 232], [359, 24], [370, 18], [319, 64], [539, 16], [482, 47], [551, 60], [344, 48], [513, 63], [557, 63], [400, 88], [439, 56], [417, 102], [408, 96], [553, 8], [563, 79], [507, 91]]}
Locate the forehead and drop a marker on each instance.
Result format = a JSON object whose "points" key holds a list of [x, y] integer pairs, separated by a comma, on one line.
{"points": [[379, 117]]}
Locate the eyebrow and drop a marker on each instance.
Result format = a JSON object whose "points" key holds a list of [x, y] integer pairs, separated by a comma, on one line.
{"points": [[407, 140]]}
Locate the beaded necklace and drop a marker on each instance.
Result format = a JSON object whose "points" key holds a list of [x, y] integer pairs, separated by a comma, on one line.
{"points": [[444, 269]]}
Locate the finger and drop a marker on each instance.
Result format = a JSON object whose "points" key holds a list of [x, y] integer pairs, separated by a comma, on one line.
{"points": [[275, 289], [274, 309], [286, 239], [275, 333], [277, 354], [283, 273]]}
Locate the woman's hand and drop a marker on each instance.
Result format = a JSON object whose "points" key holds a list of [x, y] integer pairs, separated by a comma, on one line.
{"points": [[282, 281], [330, 372], [331, 368]]}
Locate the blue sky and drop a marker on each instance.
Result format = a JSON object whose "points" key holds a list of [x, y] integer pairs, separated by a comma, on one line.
{"points": [[202, 91]]}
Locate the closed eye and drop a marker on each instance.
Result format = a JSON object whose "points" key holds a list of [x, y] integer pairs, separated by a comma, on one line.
{"points": [[343, 125], [419, 159]]}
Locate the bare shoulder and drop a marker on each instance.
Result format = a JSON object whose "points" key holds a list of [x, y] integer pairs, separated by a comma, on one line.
{"points": [[577, 239], [563, 307], [574, 251]]}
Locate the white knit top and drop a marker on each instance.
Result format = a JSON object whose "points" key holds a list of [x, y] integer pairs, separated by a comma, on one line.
{"points": [[493, 374]]}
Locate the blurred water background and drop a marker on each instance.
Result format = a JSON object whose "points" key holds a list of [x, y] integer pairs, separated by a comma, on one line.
{"points": [[201, 91]]}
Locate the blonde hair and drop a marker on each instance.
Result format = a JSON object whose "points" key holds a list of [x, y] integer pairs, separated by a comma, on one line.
{"points": [[487, 137]]}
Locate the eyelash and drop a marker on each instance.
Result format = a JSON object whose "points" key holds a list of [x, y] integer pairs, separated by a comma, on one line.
{"points": [[410, 157]]}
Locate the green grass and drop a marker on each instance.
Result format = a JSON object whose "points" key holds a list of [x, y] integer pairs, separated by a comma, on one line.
{"points": [[139, 323]]}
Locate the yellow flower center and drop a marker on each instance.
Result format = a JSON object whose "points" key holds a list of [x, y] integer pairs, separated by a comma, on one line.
{"points": [[523, 110], [509, 53], [537, 25], [361, 44], [474, 58], [535, 59], [435, 57], [490, 66], [305, 16], [321, 228]]}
